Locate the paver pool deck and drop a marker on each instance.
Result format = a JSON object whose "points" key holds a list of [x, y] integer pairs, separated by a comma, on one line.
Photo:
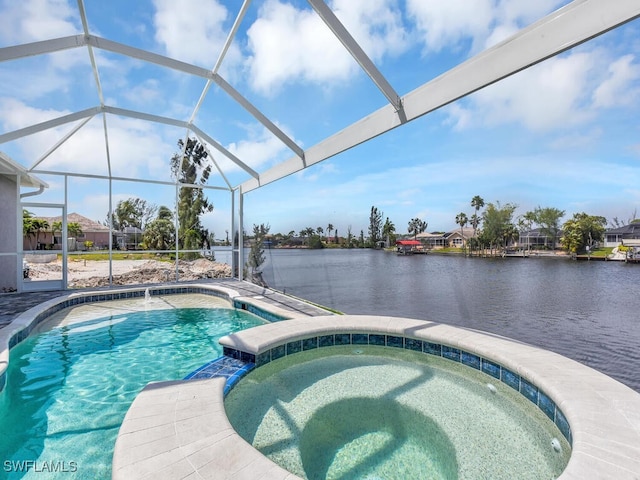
{"points": [[179, 429]]}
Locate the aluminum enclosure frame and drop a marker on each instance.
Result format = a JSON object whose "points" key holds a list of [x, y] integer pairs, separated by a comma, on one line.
{"points": [[577, 22]]}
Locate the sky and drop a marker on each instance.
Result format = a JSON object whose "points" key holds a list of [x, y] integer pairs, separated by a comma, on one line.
{"points": [[562, 134]]}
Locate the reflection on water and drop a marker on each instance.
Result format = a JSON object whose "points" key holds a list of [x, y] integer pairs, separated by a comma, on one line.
{"points": [[587, 311]]}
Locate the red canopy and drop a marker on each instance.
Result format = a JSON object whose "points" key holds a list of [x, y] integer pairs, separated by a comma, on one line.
{"points": [[409, 243]]}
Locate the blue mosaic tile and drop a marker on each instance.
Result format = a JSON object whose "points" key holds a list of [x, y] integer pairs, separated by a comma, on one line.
{"points": [[294, 347], [278, 352], [247, 357], [470, 360], [451, 353], [212, 368], [326, 341], [491, 368], [547, 405], [360, 339], [230, 383], [529, 390], [263, 358], [310, 343], [375, 339], [226, 372], [230, 352], [432, 348], [343, 338], [393, 341], [413, 344], [511, 379], [563, 425], [233, 362]]}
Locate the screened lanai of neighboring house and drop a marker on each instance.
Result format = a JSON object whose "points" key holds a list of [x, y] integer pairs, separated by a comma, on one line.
{"points": [[82, 109]]}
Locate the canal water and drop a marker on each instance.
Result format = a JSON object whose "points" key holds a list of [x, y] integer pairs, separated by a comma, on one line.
{"points": [[587, 311]]}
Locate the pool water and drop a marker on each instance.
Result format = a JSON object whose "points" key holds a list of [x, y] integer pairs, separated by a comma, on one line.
{"points": [[379, 412], [69, 388]]}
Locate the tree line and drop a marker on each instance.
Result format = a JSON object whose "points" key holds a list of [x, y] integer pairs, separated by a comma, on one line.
{"points": [[495, 227], [32, 227]]}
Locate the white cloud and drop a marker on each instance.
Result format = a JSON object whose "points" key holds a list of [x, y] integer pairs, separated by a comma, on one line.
{"points": [[560, 93], [482, 23], [193, 31], [149, 91], [619, 88], [15, 114], [458, 116], [258, 151], [37, 20], [289, 45], [448, 23], [375, 24], [550, 95], [543, 97], [136, 147], [33, 20]]}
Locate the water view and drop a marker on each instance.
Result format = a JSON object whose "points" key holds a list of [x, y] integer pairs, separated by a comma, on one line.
{"points": [[587, 311]]}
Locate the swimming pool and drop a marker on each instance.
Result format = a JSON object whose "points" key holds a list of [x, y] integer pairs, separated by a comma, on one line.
{"points": [[382, 412], [71, 382]]}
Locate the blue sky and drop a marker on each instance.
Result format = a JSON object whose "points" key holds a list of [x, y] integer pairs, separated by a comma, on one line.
{"points": [[562, 134]]}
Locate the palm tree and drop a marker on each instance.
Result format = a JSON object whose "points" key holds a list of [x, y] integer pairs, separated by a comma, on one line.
{"points": [[56, 227], [74, 230], [160, 234], [310, 233], [40, 226], [417, 226], [329, 230], [388, 229], [28, 226], [477, 202], [461, 219]]}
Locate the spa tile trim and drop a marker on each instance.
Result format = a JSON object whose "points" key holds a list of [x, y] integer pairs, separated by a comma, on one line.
{"points": [[269, 316], [528, 390]]}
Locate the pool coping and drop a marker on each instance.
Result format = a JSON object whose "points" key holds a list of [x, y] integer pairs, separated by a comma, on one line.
{"points": [[180, 429], [24, 323]]}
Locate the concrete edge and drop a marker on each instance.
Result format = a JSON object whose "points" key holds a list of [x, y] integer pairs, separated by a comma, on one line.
{"points": [[27, 319], [604, 414]]}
